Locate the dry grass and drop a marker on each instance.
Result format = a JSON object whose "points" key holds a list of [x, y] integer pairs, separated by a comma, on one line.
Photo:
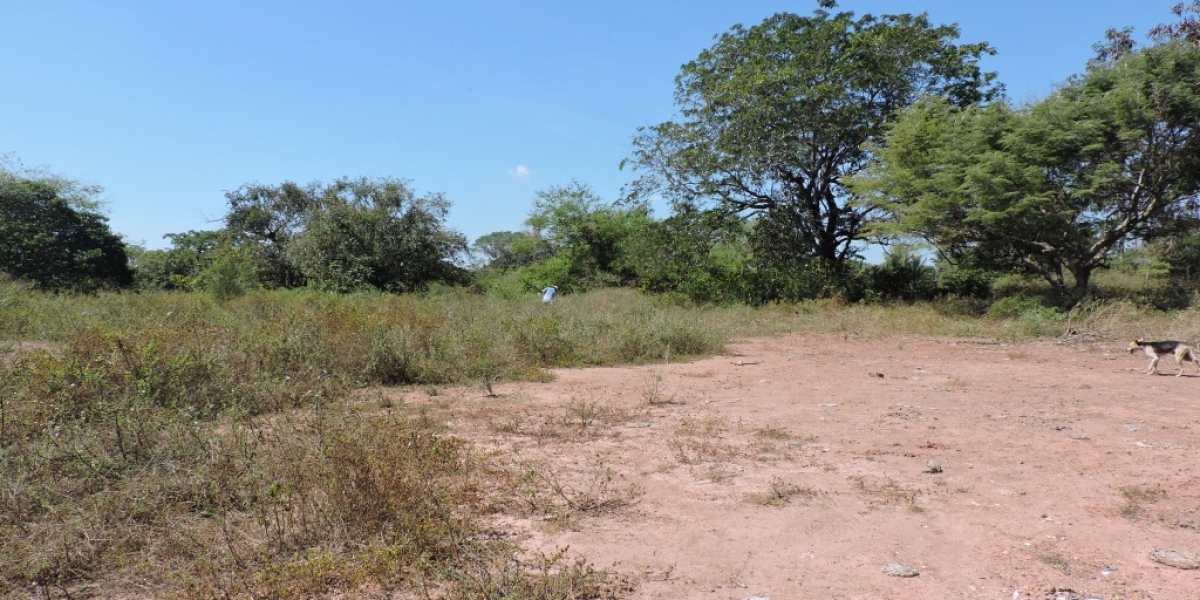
{"points": [[537, 488], [887, 492], [169, 443], [1055, 560], [655, 392], [780, 493], [1135, 498]]}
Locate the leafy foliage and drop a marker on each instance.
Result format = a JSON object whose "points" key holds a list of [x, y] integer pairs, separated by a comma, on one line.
{"points": [[774, 116], [54, 241], [178, 267], [702, 254], [510, 249], [585, 234], [1053, 188], [352, 234]]}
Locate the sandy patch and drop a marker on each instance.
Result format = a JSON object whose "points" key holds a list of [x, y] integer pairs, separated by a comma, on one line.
{"points": [[804, 467]]}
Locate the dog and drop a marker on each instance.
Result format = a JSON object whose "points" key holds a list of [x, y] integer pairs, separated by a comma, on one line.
{"points": [[1156, 350]]}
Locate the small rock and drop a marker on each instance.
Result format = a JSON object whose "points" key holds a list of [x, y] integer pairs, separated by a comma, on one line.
{"points": [[1180, 559], [899, 570], [933, 466], [1133, 427]]}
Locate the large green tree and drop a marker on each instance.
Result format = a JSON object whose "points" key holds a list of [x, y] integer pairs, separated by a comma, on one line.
{"points": [[702, 254], [584, 235], [178, 267], [377, 233], [265, 220], [1056, 186], [53, 236], [503, 250], [774, 117], [347, 235]]}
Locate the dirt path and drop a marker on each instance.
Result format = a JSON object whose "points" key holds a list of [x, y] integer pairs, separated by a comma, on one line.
{"points": [[800, 467]]}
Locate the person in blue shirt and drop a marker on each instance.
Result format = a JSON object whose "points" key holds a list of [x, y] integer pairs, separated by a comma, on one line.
{"points": [[548, 294]]}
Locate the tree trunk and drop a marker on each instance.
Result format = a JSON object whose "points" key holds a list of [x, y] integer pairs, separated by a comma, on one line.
{"points": [[1082, 274]]}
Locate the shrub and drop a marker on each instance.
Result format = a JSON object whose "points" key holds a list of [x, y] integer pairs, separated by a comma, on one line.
{"points": [[902, 276]]}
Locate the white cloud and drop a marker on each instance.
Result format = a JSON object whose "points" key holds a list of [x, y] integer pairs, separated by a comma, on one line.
{"points": [[520, 172]]}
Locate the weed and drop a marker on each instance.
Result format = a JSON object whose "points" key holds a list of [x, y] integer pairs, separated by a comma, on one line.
{"points": [[706, 427], [654, 390], [543, 490], [498, 574], [506, 424], [1056, 560], [581, 413], [887, 491], [773, 433], [692, 451], [722, 472], [1136, 498], [780, 492]]}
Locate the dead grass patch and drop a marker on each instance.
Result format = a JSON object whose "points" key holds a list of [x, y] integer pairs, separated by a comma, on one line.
{"points": [[780, 492], [1136, 497], [655, 392], [886, 491], [540, 489]]}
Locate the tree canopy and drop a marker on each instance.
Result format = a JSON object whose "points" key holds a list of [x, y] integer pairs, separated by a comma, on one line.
{"points": [[584, 236], [55, 240], [178, 267], [1054, 187], [351, 234], [774, 117]]}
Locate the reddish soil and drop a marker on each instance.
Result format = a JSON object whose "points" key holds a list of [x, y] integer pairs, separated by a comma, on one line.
{"points": [[799, 467]]}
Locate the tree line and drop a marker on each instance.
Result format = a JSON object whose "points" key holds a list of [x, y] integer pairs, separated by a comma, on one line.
{"points": [[798, 142]]}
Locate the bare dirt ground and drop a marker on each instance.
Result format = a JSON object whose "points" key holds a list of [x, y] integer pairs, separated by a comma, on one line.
{"points": [[800, 467]]}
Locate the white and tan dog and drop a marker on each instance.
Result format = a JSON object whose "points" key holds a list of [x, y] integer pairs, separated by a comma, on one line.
{"points": [[1156, 350]]}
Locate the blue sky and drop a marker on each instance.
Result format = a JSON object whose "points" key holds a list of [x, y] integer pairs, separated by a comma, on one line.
{"points": [[167, 105]]}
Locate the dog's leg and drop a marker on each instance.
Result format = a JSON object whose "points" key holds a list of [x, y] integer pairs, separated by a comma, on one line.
{"points": [[1153, 370], [1183, 354]]}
